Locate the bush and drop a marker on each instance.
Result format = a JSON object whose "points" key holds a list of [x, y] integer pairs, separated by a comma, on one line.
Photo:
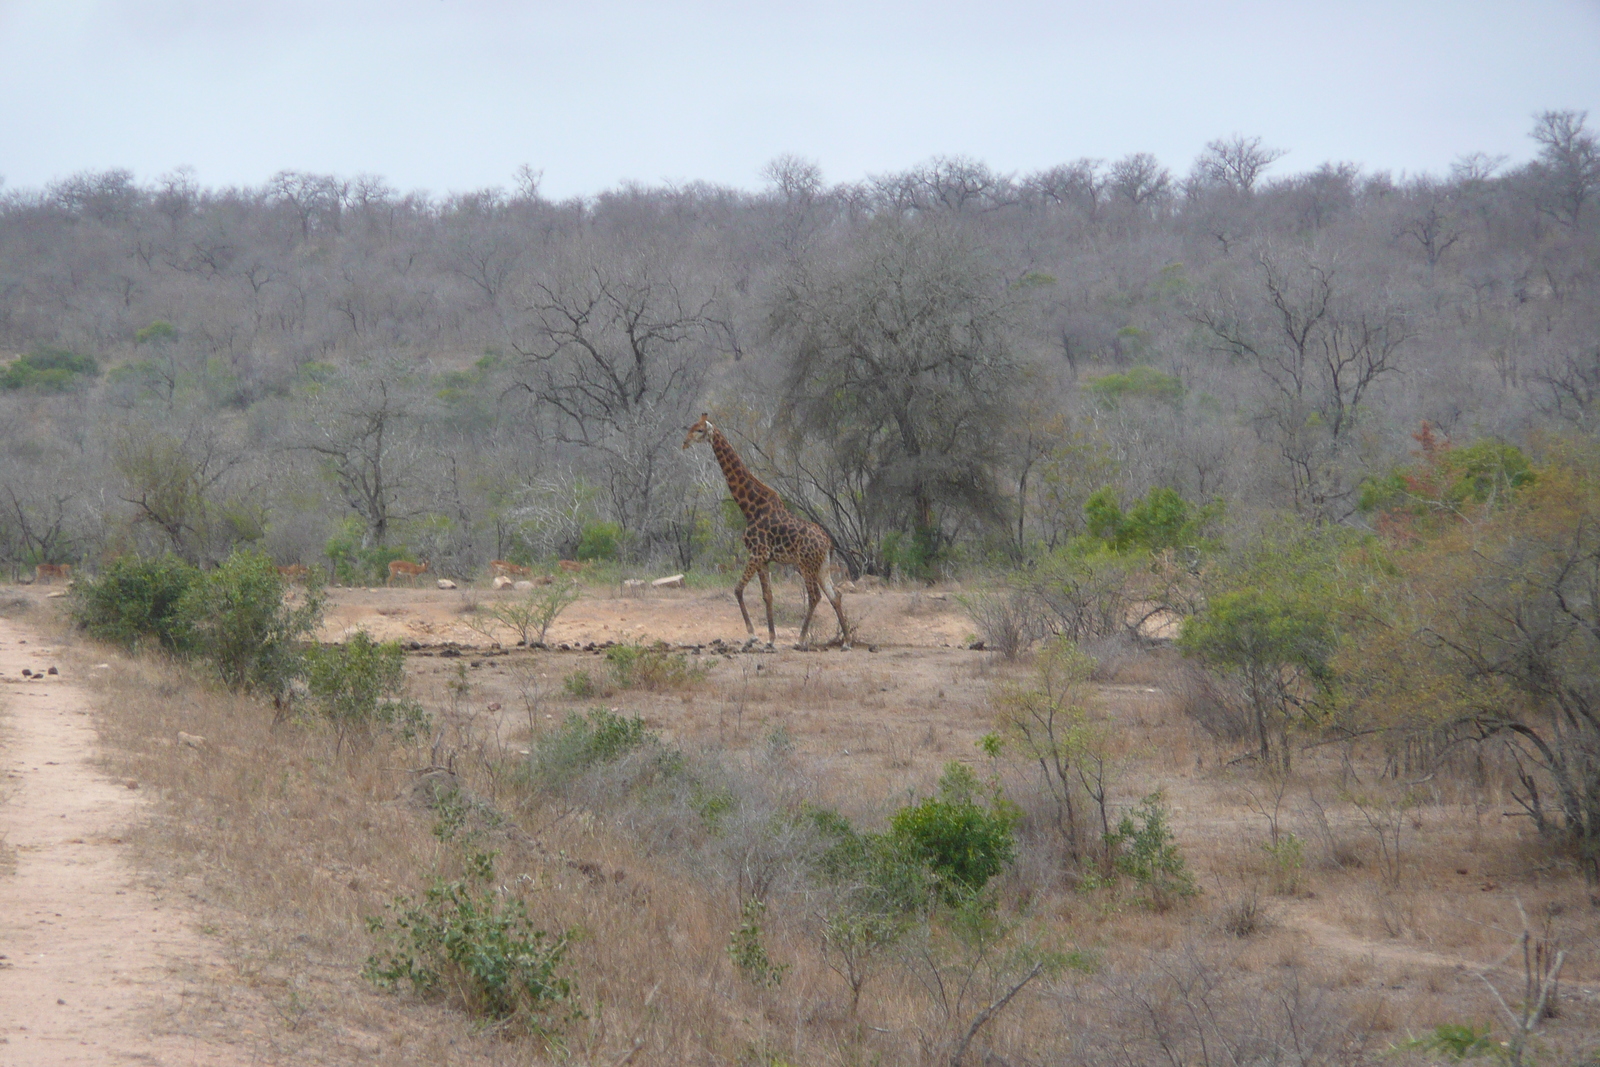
{"points": [[884, 874], [1148, 854], [135, 599], [600, 540], [1008, 619], [361, 683], [963, 843], [584, 741], [749, 953], [235, 616], [529, 618], [464, 939], [1143, 383], [650, 667], [49, 370], [354, 564]]}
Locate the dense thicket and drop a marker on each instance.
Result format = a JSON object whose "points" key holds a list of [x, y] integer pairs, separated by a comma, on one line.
{"points": [[941, 364]]}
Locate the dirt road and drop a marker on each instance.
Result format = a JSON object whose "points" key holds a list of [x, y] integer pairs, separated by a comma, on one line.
{"points": [[95, 968]]}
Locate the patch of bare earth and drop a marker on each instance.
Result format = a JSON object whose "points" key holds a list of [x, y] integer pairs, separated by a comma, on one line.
{"points": [[96, 966]]}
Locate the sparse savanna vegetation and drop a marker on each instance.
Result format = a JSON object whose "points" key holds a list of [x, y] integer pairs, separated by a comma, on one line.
{"points": [[1224, 560]]}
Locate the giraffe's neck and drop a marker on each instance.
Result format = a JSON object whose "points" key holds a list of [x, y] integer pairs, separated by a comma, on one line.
{"points": [[750, 494]]}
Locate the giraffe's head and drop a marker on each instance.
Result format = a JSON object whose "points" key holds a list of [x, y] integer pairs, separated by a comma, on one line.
{"points": [[700, 431]]}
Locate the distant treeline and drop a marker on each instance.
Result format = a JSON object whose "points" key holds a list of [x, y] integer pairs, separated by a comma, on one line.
{"points": [[941, 365]]}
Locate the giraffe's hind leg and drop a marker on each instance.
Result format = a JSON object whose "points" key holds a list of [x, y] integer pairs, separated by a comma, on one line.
{"points": [[766, 594], [813, 594], [836, 598]]}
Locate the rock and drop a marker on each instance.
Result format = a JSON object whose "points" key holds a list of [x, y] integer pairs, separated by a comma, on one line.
{"points": [[191, 740], [522, 584], [502, 582], [445, 583], [672, 582], [56, 595]]}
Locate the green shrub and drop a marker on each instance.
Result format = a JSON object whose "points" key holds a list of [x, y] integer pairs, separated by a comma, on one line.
{"points": [[49, 370], [1148, 854], [650, 667], [749, 953], [912, 555], [236, 617], [135, 599], [464, 939], [357, 564], [1162, 520], [530, 617], [963, 843], [580, 683], [362, 683], [599, 540], [1457, 1042], [885, 874], [584, 741], [1141, 382]]}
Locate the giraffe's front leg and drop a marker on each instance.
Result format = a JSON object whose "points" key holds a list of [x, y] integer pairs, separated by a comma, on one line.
{"points": [[753, 567], [766, 594]]}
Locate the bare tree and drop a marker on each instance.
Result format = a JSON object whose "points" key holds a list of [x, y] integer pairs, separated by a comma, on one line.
{"points": [[1140, 179], [1235, 162], [1569, 164], [1319, 350], [363, 435], [619, 351]]}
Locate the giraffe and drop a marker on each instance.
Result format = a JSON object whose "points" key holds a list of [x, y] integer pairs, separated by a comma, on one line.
{"points": [[773, 535]]}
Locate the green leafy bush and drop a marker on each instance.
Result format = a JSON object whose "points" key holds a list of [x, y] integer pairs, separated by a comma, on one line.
{"points": [[1144, 383], [584, 741], [581, 684], [964, 843], [650, 667], [886, 876], [749, 953], [362, 683], [1162, 520], [49, 370], [135, 599], [236, 617], [357, 564], [1142, 848], [464, 940], [599, 540]]}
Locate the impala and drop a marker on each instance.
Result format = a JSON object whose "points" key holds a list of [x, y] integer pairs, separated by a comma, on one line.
{"points": [[48, 572], [504, 568], [410, 570]]}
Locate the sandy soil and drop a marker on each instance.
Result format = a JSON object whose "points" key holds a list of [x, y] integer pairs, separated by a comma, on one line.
{"points": [[676, 616], [95, 967]]}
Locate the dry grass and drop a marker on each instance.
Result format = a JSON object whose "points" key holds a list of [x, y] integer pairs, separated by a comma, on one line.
{"points": [[288, 842]]}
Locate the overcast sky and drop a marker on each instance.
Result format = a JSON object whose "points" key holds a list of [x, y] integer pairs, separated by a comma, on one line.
{"points": [[451, 95]]}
